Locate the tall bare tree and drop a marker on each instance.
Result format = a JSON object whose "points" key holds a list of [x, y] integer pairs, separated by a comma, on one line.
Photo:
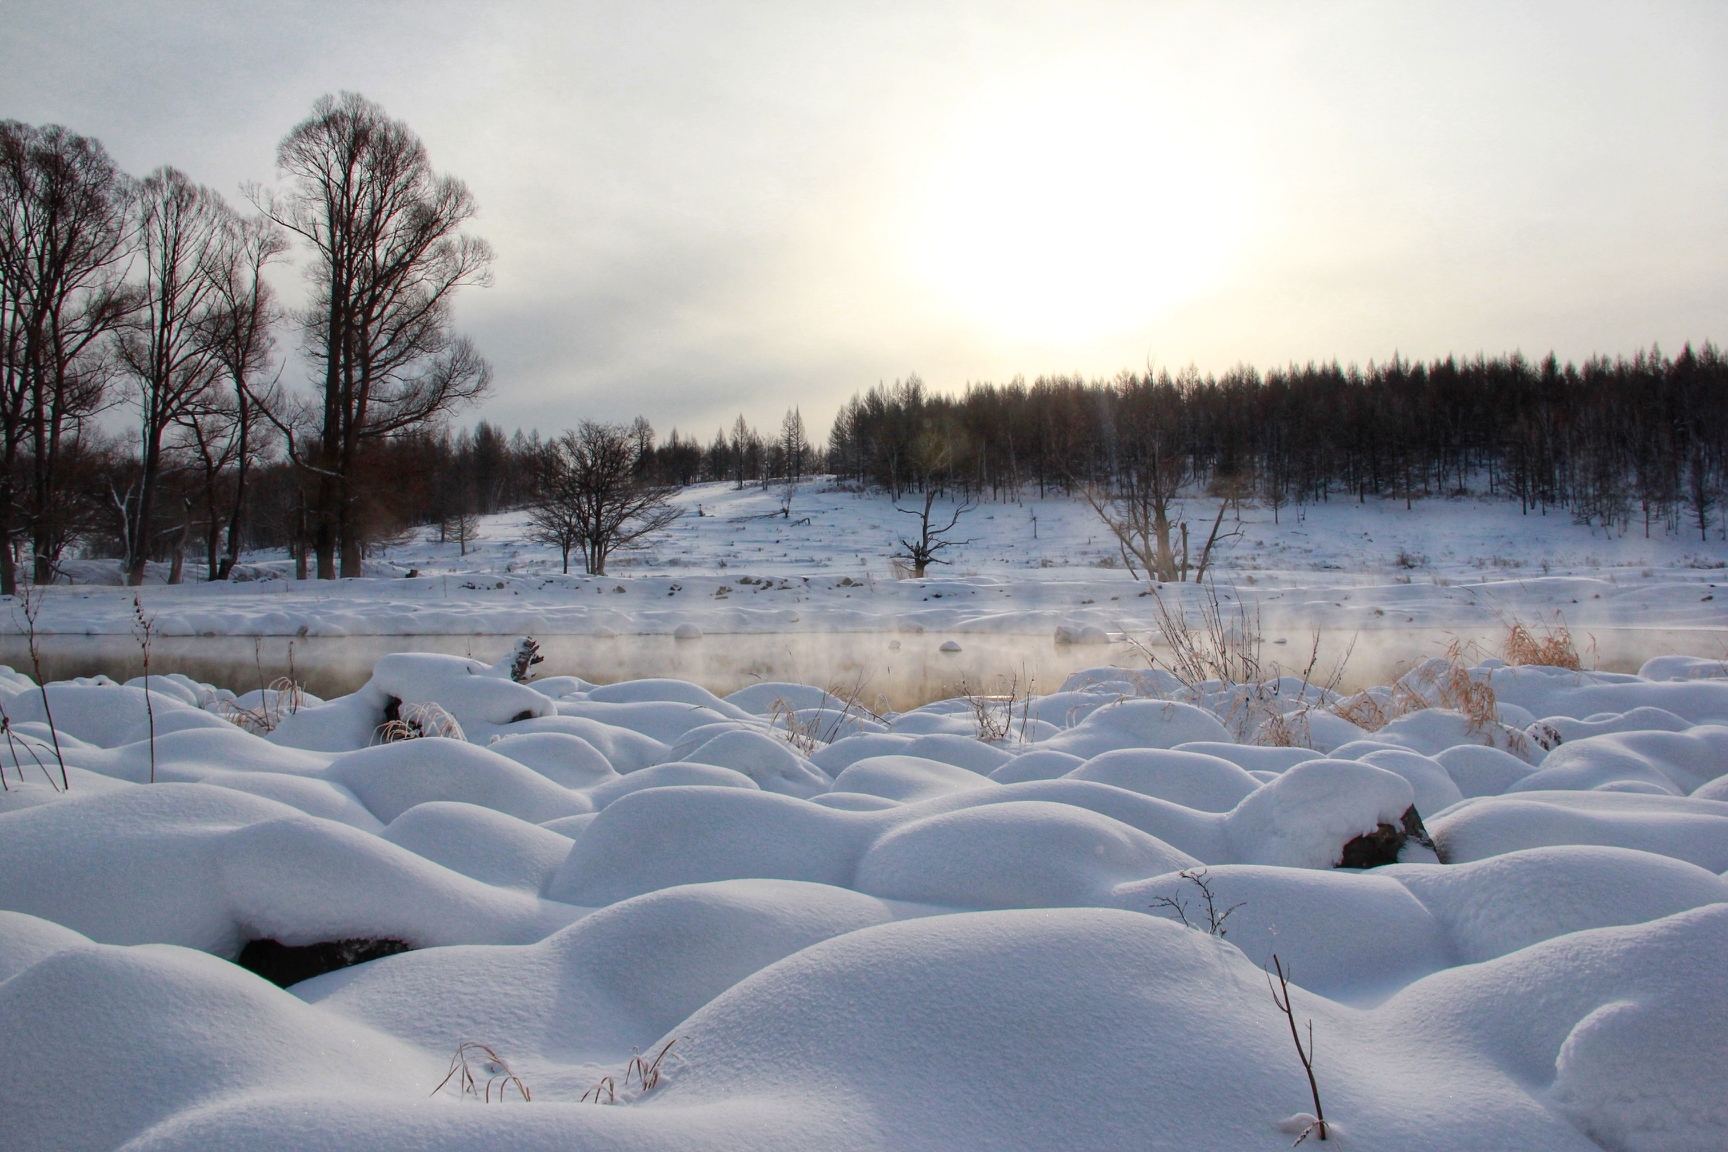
{"points": [[591, 499], [243, 317], [65, 237], [168, 349], [389, 255]]}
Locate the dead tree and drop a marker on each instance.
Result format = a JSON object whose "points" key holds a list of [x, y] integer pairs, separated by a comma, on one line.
{"points": [[922, 551]]}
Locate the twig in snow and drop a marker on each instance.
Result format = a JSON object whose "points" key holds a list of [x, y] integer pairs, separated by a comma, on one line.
{"points": [[142, 628], [1306, 1055], [1214, 919], [32, 605]]}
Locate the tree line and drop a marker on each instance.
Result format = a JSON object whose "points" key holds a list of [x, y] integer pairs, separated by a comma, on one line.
{"points": [[1622, 442]]}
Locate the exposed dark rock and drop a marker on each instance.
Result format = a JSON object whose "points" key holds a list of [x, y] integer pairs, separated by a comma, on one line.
{"points": [[1381, 846], [286, 964]]}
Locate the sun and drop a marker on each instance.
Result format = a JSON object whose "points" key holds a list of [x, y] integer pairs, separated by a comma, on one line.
{"points": [[1074, 214]]}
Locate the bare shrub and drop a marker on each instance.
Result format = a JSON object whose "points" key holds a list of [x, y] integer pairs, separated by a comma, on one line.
{"points": [[1214, 924], [492, 1066], [993, 714], [1217, 659]]}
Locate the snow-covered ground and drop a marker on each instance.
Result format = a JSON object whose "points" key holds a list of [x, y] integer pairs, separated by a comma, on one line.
{"points": [[777, 921], [813, 596]]}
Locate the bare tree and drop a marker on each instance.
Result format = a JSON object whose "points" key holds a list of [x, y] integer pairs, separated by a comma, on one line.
{"points": [[167, 350], [64, 241], [590, 498], [931, 539], [243, 316], [385, 233], [1137, 512]]}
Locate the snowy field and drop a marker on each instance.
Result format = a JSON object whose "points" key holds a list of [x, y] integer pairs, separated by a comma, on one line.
{"points": [[640, 916], [812, 597]]}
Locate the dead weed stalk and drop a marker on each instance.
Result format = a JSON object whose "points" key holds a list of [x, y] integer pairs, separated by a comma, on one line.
{"points": [[644, 1072], [492, 1066], [31, 601]]}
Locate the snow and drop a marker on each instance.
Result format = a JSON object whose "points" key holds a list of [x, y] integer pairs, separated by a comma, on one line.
{"points": [[866, 928], [812, 598]]}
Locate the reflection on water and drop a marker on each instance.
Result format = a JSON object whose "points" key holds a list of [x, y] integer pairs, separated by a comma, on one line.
{"points": [[905, 668]]}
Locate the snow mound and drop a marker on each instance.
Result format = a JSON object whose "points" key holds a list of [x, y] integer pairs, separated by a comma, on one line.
{"points": [[1192, 779], [1695, 831], [1020, 854], [480, 843], [392, 778], [907, 778], [1305, 817], [1138, 724], [769, 762]]}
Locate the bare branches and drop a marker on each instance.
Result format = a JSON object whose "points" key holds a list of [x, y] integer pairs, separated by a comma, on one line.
{"points": [[931, 539], [1215, 919], [591, 498], [1281, 998], [385, 231]]}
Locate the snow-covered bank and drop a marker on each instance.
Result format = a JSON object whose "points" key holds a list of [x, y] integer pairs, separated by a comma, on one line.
{"points": [[953, 927], [738, 577]]}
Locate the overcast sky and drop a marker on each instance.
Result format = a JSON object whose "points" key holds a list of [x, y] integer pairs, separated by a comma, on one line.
{"points": [[702, 209]]}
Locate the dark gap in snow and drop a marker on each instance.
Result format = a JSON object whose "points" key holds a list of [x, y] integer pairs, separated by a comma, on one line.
{"points": [[1381, 846], [287, 964]]}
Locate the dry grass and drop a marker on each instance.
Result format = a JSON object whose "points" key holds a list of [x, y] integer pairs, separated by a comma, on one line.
{"points": [[1441, 683], [1217, 658], [470, 1053], [645, 1073], [417, 721], [282, 697], [826, 724], [1551, 648]]}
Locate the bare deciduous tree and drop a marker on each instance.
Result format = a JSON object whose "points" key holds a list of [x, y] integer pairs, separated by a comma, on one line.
{"points": [[64, 240], [167, 350], [590, 498], [385, 232], [931, 539], [243, 316]]}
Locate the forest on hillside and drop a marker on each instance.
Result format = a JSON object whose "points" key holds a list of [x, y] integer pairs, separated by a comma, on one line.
{"points": [[1614, 441]]}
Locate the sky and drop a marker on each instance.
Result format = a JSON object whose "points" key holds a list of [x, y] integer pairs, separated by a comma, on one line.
{"points": [[701, 210]]}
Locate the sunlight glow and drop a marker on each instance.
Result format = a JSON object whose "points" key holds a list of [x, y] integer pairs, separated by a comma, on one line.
{"points": [[1073, 215]]}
